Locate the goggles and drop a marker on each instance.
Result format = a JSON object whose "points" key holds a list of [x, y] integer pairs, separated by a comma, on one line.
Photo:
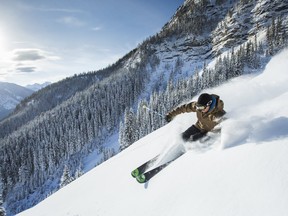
{"points": [[202, 107]]}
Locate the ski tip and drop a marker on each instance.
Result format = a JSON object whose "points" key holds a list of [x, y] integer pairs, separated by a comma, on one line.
{"points": [[141, 179], [135, 173]]}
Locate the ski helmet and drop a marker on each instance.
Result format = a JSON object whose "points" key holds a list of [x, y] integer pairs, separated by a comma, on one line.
{"points": [[204, 100]]}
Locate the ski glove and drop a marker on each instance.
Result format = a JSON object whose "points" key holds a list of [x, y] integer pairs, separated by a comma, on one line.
{"points": [[168, 117]]}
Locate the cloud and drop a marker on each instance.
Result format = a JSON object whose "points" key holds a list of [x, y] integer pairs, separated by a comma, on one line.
{"points": [[28, 60], [65, 10], [96, 28], [71, 21], [20, 55], [27, 55], [28, 7], [26, 69]]}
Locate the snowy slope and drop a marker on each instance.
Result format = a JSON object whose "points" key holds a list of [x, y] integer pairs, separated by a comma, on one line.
{"points": [[244, 172], [11, 95]]}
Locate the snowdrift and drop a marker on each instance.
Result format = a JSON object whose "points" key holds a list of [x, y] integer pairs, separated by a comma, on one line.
{"points": [[243, 172]]}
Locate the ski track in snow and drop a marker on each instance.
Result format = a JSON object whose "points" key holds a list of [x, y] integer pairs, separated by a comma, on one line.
{"points": [[242, 172]]}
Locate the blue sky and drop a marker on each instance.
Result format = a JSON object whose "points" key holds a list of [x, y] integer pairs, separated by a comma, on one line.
{"points": [[48, 40]]}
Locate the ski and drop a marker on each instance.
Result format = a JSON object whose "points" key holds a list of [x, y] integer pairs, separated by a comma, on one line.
{"points": [[141, 169], [145, 177]]}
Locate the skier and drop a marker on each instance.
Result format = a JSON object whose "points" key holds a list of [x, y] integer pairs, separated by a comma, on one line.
{"points": [[209, 111]]}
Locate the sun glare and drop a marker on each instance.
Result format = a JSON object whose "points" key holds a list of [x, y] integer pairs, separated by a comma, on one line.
{"points": [[2, 41]]}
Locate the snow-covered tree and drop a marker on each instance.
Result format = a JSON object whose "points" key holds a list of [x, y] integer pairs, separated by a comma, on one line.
{"points": [[66, 177], [128, 129], [2, 209]]}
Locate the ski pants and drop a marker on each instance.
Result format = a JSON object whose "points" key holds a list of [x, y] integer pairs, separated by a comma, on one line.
{"points": [[192, 134]]}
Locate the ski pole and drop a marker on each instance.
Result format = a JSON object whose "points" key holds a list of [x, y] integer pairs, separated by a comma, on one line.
{"points": [[153, 111]]}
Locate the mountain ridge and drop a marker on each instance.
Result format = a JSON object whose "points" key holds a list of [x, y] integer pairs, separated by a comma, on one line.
{"points": [[10, 96], [37, 86], [61, 124]]}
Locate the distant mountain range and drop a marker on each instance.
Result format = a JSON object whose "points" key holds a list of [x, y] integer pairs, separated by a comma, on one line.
{"points": [[12, 94], [37, 86]]}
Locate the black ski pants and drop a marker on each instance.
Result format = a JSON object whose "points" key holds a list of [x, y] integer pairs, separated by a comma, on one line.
{"points": [[192, 134]]}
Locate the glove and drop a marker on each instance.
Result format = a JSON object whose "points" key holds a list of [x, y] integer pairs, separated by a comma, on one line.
{"points": [[168, 117]]}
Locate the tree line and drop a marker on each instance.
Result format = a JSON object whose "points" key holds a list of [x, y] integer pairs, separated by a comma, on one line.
{"points": [[149, 115], [58, 140]]}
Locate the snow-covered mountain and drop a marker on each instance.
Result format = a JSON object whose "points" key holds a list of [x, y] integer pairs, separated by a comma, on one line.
{"points": [[60, 127], [242, 172], [10, 96], [37, 86]]}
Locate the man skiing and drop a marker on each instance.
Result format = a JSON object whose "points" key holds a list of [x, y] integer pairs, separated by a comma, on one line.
{"points": [[209, 111]]}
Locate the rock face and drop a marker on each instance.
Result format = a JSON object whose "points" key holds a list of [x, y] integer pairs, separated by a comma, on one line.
{"points": [[205, 29]]}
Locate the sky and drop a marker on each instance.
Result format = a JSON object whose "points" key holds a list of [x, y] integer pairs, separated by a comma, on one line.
{"points": [[48, 40]]}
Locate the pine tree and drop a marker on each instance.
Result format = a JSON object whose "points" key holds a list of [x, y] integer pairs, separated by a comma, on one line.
{"points": [[66, 177], [142, 120], [270, 37], [128, 129], [79, 171], [2, 209]]}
